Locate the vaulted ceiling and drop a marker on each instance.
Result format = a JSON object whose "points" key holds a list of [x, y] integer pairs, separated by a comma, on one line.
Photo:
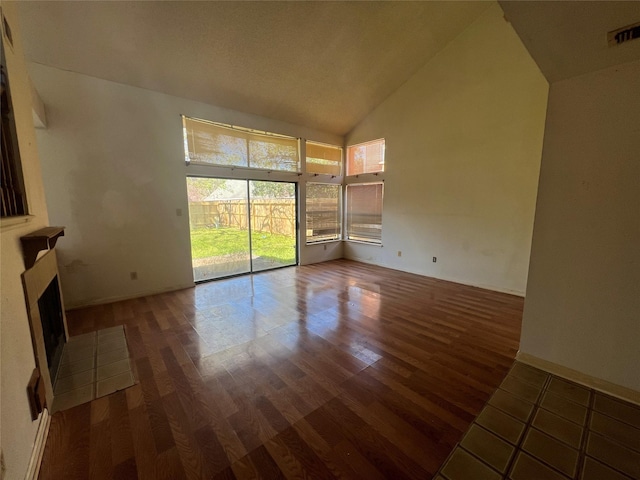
{"points": [[324, 65]]}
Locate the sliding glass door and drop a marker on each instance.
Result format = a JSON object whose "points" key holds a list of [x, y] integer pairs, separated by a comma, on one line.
{"points": [[273, 224], [240, 226], [218, 211]]}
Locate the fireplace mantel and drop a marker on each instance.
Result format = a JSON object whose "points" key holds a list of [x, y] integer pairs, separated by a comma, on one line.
{"points": [[43, 239]]}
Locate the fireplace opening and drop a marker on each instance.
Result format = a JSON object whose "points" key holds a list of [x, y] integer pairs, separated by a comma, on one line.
{"points": [[51, 316]]}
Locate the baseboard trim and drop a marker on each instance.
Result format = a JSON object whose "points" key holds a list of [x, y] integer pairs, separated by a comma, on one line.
{"points": [[119, 298], [38, 446], [613, 389], [493, 288]]}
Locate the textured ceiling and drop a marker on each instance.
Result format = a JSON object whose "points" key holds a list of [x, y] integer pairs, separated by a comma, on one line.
{"points": [[323, 65], [570, 38]]}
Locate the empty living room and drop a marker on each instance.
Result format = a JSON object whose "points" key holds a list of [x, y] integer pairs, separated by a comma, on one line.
{"points": [[308, 239]]}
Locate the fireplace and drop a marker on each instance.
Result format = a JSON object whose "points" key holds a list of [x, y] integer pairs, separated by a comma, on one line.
{"points": [[51, 317], [45, 309]]}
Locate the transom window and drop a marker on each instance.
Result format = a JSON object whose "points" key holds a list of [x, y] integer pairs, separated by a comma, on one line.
{"points": [[366, 158], [215, 144], [324, 159]]}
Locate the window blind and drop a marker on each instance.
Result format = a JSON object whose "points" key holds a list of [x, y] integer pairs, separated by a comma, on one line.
{"points": [[323, 159], [365, 158], [324, 221], [214, 144], [364, 212]]}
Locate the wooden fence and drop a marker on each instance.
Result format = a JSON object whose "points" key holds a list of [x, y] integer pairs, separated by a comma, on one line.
{"points": [[267, 215]]}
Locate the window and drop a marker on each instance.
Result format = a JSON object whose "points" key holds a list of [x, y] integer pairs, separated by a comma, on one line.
{"points": [[215, 144], [324, 221], [365, 158], [13, 198], [324, 159], [364, 200], [364, 212]]}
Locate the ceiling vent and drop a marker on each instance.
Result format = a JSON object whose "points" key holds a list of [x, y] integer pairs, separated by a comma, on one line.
{"points": [[624, 34]]}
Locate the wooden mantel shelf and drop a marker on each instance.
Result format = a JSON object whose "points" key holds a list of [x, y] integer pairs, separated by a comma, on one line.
{"points": [[43, 239]]}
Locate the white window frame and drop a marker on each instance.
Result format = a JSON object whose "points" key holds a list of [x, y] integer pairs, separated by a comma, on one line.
{"points": [[363, 179]]}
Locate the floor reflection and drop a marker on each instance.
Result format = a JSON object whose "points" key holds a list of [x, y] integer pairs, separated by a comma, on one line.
{"points": [[373, 372]]}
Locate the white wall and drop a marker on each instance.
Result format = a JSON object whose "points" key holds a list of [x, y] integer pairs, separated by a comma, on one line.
{"points": [[114, 171], [583, 299], [17, 361], [464, 140]]}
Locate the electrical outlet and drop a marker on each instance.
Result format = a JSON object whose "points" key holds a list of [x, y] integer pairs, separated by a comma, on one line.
{"points": [[435, 259], [134, 275], [399, 253], [325, 247], [178, 212]]}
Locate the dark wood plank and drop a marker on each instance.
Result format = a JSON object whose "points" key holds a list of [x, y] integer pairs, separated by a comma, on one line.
{"points": [[121, 440], [100, 462], [69, 435]]}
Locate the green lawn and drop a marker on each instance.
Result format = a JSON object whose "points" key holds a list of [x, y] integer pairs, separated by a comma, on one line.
{"points": [[212, 242]]}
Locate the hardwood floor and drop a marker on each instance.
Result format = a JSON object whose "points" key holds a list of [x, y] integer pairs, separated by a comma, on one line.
{"points": [[338, 369]]}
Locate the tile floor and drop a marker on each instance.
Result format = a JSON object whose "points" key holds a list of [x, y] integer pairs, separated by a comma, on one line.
{"points": [[92, 365], [539, 426]]}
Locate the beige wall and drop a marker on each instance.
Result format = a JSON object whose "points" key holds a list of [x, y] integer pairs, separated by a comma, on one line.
{"points": [[464, 140], [113, 163], [17, 431], [583, 299]]}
